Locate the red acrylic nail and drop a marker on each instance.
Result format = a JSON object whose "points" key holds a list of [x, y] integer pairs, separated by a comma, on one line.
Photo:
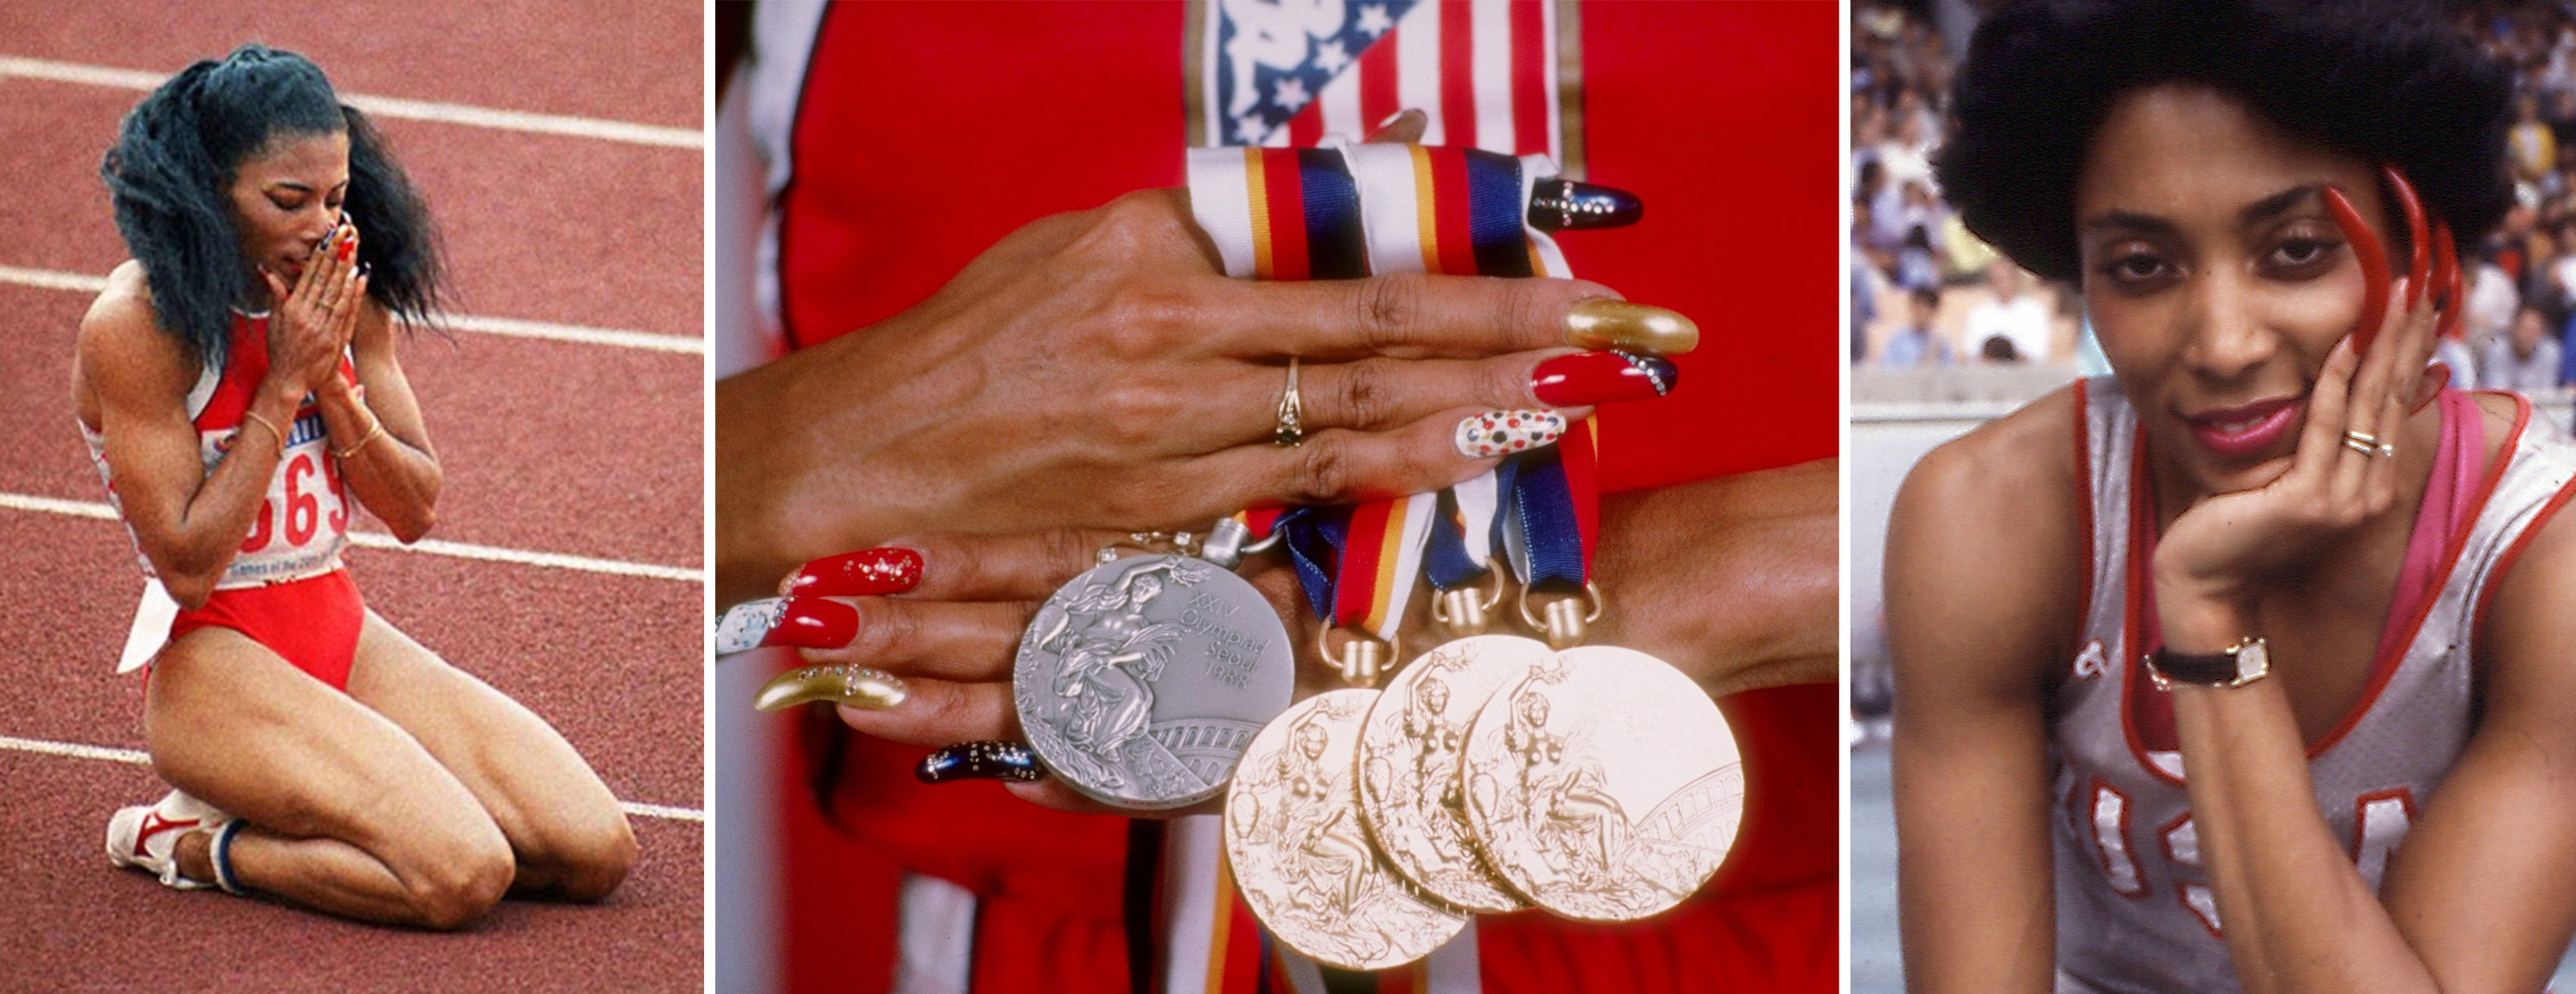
{"points": [[814, 623], [1587, 378], [2374, 267], [2416, 234], [2447, 281], [865, 573]]}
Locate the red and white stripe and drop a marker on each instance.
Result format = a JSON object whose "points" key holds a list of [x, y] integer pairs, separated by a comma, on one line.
{"points": [[1484, 70]]}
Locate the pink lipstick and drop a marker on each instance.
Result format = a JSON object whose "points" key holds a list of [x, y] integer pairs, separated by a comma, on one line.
{"points": [[2247, 431]]}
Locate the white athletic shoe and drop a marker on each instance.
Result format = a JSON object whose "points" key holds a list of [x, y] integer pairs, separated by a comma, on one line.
{"points": [[147, 837]]}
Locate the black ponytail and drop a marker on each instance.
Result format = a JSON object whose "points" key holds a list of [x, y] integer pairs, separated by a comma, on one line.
{"points": [[176, 153]]}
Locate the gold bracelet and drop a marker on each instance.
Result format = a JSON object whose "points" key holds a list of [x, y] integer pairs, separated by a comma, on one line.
{"points": [[265, 423], [362, 441]]}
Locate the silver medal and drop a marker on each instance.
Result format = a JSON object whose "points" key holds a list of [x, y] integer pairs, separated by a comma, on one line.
{"points": [[1142, 681]]}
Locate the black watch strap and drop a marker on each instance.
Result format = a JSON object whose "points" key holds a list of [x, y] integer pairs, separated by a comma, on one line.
{"points": [[2211, 669]]}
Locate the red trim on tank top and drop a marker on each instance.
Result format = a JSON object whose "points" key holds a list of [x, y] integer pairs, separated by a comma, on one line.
{"points": [[2084, 506], [2504, 562], [2393, 652], [2405, 798], [2390, 653]]}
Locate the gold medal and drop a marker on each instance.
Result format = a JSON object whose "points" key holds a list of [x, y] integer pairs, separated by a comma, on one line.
{"points": [[1603, 784], [1300, 856], [1409, 749]]}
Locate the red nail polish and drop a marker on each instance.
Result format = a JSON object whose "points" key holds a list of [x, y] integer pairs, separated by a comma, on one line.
{"points": [[865, 573], [347, 249], [815, 623], [1601, 378]]}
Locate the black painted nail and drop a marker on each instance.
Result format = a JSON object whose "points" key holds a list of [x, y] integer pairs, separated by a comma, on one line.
{"points": [[980, 761], [1567, 205]]}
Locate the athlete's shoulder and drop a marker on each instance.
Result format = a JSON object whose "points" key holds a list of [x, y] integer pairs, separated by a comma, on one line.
{"points": [[1986, 546], [121, 341], [2012, 477]]}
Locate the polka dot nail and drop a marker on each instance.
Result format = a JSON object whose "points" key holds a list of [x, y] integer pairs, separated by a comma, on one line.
{"points": [[1501, 433]]}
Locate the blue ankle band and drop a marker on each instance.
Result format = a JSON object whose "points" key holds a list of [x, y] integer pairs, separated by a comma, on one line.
{"points": [[220, 852]]}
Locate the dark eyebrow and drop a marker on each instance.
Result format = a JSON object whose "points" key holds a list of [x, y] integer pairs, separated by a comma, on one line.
{"points": [[2276, 204], [2252, 214], [2131, 220]]}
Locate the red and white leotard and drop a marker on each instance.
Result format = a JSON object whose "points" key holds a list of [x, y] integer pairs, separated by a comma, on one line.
{"points": [[285, 587]]}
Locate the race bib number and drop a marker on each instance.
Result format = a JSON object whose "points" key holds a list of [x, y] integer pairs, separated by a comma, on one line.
{"points": [[304, 521]]}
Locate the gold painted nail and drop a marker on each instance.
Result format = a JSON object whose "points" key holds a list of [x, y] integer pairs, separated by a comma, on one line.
{"points": [[1618, 324], [856, 686]]}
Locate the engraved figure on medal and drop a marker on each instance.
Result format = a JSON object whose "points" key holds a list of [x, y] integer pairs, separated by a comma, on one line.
{"points": [[1141, 681], [1300, 856], [1410, 745], [1604, 784]]}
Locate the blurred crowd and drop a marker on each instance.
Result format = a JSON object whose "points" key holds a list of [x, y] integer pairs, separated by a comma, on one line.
{"points": [[1925, 292]]}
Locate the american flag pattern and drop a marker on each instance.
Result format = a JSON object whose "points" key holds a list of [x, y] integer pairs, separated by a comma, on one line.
{"points": [[1288, 72]]}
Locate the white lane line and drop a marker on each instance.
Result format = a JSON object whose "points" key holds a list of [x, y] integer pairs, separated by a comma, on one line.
{"points": [[53, 279], [380, 540], [137, 757], [391, 107]]}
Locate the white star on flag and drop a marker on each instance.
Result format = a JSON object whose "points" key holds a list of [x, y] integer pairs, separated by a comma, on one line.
{"points": [[1289, 94], [1250, 130], [1328, 56], [1373, 19]]}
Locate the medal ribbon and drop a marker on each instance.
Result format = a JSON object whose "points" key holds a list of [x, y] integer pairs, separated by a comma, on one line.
{"points": [[1292, 214]]}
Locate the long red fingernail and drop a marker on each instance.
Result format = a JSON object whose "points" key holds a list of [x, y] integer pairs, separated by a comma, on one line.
{"points": [[2446, 277], [346, 249], [2374, 267], [865, 573], [1586, 378], [2416, 233], [815, 623]]}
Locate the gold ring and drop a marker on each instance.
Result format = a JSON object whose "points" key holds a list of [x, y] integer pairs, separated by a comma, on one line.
{"points": [[2368, 444], [1292, 413]]}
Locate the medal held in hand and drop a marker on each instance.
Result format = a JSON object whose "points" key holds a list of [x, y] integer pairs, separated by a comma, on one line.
{"points": [[1604, 784], [1300, 857], [1141, 682], [1409, 751]]}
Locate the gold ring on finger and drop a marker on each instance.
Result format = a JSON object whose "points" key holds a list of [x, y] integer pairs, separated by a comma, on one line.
{"points": [[1291, 429]]}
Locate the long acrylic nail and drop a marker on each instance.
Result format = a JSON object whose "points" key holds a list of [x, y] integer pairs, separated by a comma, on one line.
{"points": [[815, 623], [1569, 205], [2374, 267], [1587, 378], [2416, 234], [1498, 433], [1617, 324], [2447, 282], [746, 625], [856, 686], [865, 573], [980, 761]]}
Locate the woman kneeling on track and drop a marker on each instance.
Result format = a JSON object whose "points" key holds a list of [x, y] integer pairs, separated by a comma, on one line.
{"points": [[2246, 667], [237, 385]]}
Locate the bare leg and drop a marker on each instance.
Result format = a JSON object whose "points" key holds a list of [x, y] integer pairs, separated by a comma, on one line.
{"points": [[570, 837], [347, 812]]}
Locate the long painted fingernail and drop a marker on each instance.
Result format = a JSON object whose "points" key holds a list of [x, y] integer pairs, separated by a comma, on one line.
{"points": [[1586, 378], [1617, 324], [746, 625], [347, 248], [856, 686], [1568, 205], [803, 622], [980, 761], [2373, 258], [865, 573], [1497, 433], [2416, 234]]}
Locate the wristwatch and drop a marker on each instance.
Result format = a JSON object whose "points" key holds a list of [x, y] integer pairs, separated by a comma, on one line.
{"points": [[2241, 664]]}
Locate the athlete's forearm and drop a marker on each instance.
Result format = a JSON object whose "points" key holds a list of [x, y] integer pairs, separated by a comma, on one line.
{"points": [[395, 478], [210, 526], [2297, 915]]}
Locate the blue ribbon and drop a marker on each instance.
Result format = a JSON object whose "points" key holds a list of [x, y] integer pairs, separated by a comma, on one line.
{"points": [[1545, 513]]}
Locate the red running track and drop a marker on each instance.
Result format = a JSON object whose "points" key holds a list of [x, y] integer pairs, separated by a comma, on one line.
{"points": [[579, 449]]}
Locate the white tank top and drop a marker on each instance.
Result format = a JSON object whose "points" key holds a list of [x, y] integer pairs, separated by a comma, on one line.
{"points": [[2134, 908]]}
